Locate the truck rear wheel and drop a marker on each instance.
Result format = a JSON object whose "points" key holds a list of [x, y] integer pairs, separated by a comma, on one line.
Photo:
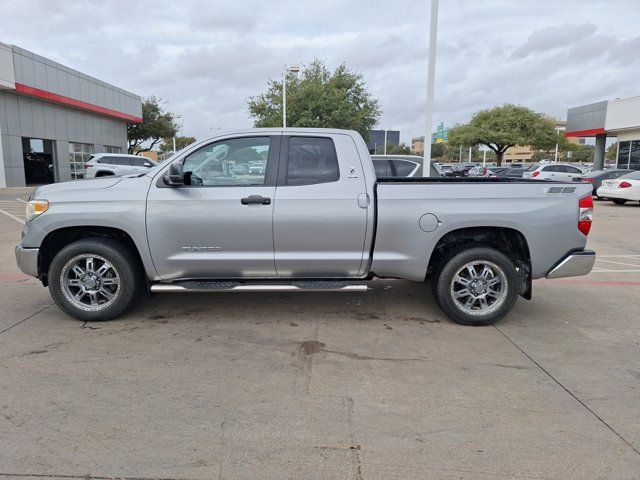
{"points": [[478, 286], [94, 279]]}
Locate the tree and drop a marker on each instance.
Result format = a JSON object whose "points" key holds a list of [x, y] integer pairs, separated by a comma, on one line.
{"points": [[318, 98], [503, 127], [157, 124], [401, 149], [181, 142], [612, 151]]}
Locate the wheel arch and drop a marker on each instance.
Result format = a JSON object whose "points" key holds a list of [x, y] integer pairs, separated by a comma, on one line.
{"points": [[56, 240], [509, 241]]}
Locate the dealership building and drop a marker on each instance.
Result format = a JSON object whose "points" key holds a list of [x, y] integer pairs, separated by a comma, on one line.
{"points": [[618, 118], [52, 118]]}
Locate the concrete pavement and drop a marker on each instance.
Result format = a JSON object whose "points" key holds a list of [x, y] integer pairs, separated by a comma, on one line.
{"points": [[374, 385]]}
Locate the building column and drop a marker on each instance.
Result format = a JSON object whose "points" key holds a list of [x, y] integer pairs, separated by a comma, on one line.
{"points": [[598, 156], [62, 168]]}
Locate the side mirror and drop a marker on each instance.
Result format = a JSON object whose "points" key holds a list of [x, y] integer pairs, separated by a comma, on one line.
{"points": [[174, 177]]}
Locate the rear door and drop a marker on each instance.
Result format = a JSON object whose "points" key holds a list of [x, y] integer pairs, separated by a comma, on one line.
{"points": [[219, 224], [320, 209]]}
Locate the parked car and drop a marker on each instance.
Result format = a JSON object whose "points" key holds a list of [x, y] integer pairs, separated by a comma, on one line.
{"points": [[513, 172], [447, 170], [498, 170], [257, 167], [515, 165], [401, 166], [553, 171], [116, 164], [595, 177], [621, 190], [318, 219], [240, 170], [480, 172], [462, 169]]}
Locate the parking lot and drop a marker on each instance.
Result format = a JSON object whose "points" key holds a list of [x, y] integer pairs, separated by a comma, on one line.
{"points": [[375, 385]]}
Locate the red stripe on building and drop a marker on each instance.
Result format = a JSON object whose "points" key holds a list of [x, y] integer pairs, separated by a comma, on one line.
{"points": [[586, 133], [72, 102]]}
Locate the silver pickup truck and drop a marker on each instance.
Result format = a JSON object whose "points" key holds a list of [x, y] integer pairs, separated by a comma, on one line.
{"points": [[313, 217]]}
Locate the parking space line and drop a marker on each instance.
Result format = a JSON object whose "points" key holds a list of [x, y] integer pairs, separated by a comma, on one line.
{"points": [[12, 217], [20, 200], [618, 263], [567, 390], [607, 270]]}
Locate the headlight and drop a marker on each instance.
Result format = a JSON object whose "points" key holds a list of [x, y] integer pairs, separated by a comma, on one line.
{"points": [[35, 208]]}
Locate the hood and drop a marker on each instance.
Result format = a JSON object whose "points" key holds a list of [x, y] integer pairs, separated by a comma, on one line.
{"points": [[75, 186]]}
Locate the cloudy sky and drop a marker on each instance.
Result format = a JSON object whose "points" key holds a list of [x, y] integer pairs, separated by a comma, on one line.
{"points": [[206, 57]]}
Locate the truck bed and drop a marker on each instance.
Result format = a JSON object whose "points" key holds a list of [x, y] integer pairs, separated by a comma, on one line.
{"points": [[544, 212]]}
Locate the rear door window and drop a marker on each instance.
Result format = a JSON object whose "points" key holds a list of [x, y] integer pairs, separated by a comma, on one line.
{"points": [[311, 160]]}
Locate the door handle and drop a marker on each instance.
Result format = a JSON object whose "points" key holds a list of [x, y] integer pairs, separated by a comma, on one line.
{"points": [[255, 200]]}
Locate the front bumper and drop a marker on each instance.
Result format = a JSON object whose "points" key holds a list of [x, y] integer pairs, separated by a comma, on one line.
{"points": [[574, 265], [27, 259]]}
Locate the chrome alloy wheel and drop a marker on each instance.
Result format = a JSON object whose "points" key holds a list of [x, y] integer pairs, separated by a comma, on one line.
{"points": [[479, 287], [90, 282]]}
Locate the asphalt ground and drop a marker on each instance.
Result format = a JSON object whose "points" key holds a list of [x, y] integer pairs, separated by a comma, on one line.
{"points": [[377, 385]]}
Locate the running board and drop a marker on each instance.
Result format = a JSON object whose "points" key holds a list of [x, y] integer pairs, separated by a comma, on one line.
{"points": [[299, 286]]}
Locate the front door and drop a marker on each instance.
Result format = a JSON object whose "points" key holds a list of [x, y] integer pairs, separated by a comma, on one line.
{"points": [[320, 216], [219, 225]]}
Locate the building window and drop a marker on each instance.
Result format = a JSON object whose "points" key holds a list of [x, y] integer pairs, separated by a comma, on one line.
{"points": [[79, 153], [634, 158], [623, 154], [110, 149]]}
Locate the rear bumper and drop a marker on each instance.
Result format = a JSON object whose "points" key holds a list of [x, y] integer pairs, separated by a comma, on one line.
{"points": [[27, 259], [574, 265], [613, 193]]}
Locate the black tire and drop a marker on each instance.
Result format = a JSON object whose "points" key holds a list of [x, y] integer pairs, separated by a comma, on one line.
{"points": [[619, 201], [124, 269], [498, 305]]}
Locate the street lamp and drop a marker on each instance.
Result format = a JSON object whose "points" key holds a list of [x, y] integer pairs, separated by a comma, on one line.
{"points": [[286, 70], [431, 73]]}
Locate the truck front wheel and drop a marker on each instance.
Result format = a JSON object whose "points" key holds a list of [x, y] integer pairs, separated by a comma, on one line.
{"points": [[94, 279], [477, 286]]}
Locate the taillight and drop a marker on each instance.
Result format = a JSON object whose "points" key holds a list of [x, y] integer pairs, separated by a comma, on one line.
{"points": [[586, 214], [536, 173], [588, 180], [624, 185]]}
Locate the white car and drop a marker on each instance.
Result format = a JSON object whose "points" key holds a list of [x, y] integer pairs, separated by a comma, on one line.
{"points": [[562, 172], [116, 164], [622, 189]]}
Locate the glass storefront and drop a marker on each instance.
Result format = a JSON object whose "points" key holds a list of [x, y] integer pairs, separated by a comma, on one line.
{"points": [[110, 149], [623, 154], [634, 157], [79, 153], [629, 155]]}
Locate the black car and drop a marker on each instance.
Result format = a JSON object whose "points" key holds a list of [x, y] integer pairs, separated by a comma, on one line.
{"points": [[596, 177], [508, 172]]}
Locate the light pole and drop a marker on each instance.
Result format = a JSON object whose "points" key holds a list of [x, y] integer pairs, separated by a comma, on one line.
{"points": [[385, 141], [557, 142], [285, 71], [431, 77]]}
